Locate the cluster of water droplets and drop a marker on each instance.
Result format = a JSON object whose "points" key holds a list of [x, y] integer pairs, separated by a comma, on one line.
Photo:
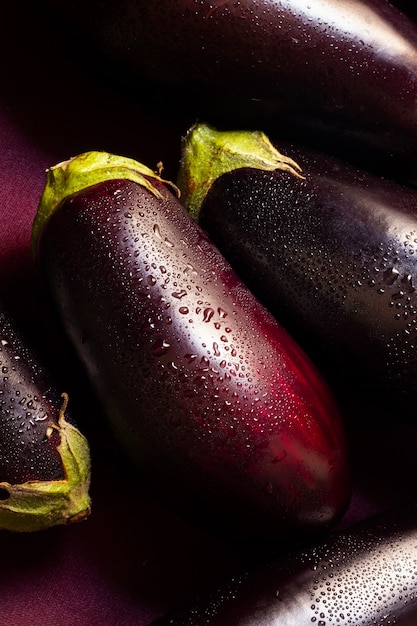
{"points": [[187, 295], [363, 577], [193, 357], [192, 326], [333, 272], [364, 582], [24, 418]]}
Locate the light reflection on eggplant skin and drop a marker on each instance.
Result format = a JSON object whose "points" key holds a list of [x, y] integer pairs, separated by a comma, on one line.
{"points": [[355, 20], [365, 576]]}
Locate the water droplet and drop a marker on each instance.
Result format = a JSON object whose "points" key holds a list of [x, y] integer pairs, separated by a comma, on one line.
{"points": [[390, 275], [41, 418], [189, 268], [407, 282], [216, 349], [160, 347], [183, 310], [208, 314], [179, 294]]}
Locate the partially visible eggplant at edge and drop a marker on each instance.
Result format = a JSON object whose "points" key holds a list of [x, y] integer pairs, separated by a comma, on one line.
{"points": [[328, 72], [329, 249], [44, 458], [363, 576]]}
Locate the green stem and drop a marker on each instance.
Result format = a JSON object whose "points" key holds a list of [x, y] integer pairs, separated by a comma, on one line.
{"points": [[208, 153], [82, 171], [37, 505]]}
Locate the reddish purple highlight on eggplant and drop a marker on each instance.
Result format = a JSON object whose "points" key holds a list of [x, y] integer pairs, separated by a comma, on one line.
{"points": [[210, 397]]}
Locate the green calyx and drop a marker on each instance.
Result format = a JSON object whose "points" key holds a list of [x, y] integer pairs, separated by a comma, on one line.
{"points": [[82, 171], [37, 505], [208, 153]]}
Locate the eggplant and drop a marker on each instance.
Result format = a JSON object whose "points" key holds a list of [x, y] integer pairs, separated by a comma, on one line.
{"points": [[330, 73], [329, 249], [44, 458], [212, 402], [365, 575], [407, 6]]}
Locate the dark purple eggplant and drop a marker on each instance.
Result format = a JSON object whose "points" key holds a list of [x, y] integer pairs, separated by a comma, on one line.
{"points": [[210, 398], [408, 7], [328, 72], [330, 250], [44, 458], [363, 576]]}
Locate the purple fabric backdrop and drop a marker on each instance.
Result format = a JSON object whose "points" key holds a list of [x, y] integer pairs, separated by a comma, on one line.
{"points": [[132, 559]]}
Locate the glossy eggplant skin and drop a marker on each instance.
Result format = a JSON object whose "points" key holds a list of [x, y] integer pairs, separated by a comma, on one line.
{"points": [[27, 404], [333, 256], [44, 459], [363, 576], [329, 73], [407, 6], [208, 395]]}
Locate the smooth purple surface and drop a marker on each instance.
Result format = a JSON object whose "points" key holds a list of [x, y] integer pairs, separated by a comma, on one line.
{"points": [[133, 559]]}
